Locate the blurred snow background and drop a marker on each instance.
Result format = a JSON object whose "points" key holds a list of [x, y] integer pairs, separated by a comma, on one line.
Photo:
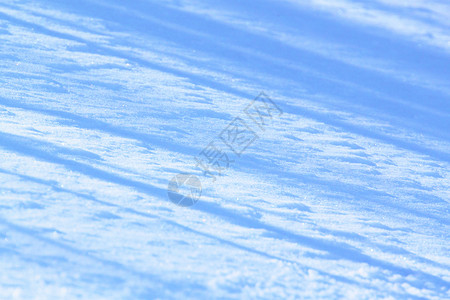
{"points": [[346, 195]]}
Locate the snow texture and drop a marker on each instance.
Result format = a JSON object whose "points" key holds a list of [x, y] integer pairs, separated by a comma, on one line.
{"points": [[345, 195]]}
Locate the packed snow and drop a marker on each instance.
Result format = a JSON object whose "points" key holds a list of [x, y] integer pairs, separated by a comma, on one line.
{"points": [[342, 193]]}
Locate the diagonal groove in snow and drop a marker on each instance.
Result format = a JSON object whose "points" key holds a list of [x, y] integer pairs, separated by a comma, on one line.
{"points": [[95, 48], [33, 234], [319, 76], [172, 223], [129, 210], [16, 144], [340, 250]]}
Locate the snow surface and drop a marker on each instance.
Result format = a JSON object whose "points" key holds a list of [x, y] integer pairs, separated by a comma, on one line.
{"points": [[344, 196]]}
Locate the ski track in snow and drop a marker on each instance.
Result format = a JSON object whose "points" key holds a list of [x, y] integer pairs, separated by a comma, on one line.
{"points": [[346, 195]]}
